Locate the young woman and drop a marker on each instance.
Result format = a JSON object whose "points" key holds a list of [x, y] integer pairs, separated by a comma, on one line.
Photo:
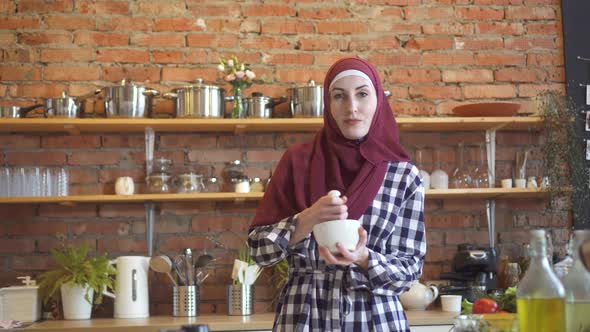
{"points": [[357, 152]]}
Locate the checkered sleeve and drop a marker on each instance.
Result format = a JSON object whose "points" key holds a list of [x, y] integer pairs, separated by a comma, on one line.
{"points": [[269, 244], [391, 271]]}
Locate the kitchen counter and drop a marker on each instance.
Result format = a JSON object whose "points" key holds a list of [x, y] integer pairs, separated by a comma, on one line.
{"points": [[256, 322]]}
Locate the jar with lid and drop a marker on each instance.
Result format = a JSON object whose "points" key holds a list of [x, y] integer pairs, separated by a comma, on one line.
{"points": [[189, 183], [211, 184], [256, 185], [232, 170], [241, 184], [158, 183]]}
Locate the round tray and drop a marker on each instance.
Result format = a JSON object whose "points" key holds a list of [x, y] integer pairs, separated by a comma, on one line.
{"points": [[487, 109]]}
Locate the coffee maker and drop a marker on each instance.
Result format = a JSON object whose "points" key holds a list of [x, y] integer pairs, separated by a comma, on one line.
{"points": [[474, 270]]}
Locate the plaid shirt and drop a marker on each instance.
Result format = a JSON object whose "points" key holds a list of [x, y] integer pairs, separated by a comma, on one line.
{"points": [[320, 297]]}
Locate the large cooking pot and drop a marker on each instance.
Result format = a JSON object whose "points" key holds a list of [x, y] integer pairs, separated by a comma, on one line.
{"points": [[307, 101], [128, 100], [198, 101]]}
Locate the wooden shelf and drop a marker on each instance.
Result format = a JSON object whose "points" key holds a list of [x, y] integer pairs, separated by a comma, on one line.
{"points": [[77, 126], [491, 193]]}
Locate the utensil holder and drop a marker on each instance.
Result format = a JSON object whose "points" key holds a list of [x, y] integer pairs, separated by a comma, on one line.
{"points": [[240, 299], [185, 301]]}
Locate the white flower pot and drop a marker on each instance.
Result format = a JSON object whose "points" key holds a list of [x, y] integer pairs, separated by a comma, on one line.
{"points": [[74, 304]]}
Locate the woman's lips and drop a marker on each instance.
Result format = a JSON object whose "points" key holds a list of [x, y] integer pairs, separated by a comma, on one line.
{"points": [[352, 122]]}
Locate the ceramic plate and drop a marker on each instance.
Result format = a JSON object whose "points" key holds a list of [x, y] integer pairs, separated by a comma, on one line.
{"points": [[487, 109]]}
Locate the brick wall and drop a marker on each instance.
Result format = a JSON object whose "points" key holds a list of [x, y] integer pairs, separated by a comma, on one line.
{"points": [[433, 55]]}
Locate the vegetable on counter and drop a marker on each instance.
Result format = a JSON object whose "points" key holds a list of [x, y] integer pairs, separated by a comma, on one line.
{"points": [[485, 306], [505, 302]]}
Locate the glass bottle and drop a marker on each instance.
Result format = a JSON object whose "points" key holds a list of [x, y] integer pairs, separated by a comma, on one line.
{"points": [[238, 107], [439, 178], [577, 288], [480, 176], [461, 177], [423, 174], [540, 297]]}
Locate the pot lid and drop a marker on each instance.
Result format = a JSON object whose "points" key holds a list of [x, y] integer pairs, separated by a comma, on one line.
{"points": [[311, 85], [199, 84]]}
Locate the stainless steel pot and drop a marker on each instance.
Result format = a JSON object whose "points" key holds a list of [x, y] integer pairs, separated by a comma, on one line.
{"points": [[198, 101], [257, 107], [128, 100], [16, 111], [307, 101]]}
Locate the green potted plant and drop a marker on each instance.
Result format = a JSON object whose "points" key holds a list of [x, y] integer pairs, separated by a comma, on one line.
{"points": [[78, 278], [564, 155]]}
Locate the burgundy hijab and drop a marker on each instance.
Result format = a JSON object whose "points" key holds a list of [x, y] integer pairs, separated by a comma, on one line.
{"points": [[309, 171]]}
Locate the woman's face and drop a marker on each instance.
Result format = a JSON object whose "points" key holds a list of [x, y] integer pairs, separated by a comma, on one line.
{"points": [[353, 101]]}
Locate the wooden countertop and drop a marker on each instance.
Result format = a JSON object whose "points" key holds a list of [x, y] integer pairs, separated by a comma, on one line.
{"points": [[216, 322]]}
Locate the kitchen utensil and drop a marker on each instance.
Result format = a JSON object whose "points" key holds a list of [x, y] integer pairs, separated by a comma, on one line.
{"points": [[179, 267], [203, 260], [189, 266], [128, 100], [487, 109], [189, 183], [161, 165], [419, 296], [585, 254], [240, 299], [22, 303], [150, 217], [162, 264], [158, 183], [198, 101], [16, 111], [257, 106], [149, 149], [131, 287], [344, 231], [185, 301], [307, 101]]}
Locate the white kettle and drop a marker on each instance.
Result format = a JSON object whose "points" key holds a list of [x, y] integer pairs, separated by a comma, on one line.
{"points": [[419, 296], [131, 287]]}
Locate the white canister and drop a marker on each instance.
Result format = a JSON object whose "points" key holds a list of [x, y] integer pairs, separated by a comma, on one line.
{"points": [[124, 186]]}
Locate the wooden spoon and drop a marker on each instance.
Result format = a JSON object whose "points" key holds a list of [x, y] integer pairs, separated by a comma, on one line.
{"points": [[585, 254]]}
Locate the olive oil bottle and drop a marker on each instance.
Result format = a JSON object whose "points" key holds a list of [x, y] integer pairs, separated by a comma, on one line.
{"points": [[577, 288], [540, 297]]}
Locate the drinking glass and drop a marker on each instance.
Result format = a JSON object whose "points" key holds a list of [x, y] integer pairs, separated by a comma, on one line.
{"points": [[423, 173], [439, 178], [460, 177], [5, 182], [480, 175]]}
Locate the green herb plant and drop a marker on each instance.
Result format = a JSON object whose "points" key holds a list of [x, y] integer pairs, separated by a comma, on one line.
{"points": [[75, 267]]}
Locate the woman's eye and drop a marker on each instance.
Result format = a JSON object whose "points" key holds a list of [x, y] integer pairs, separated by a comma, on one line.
{"points": [[337, 96], [363, 94]]}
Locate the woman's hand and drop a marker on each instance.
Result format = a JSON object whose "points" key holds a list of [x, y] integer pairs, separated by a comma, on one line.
{"points": [[326, 208], [359, 256]]}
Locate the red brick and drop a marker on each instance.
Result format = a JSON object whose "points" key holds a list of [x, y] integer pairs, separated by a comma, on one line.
{"points": [[7, 38], [552, 28], [414, 76], [20, 73], [123, 141], [265, 43], [177, 24], [466, 43], [396, 28], [168, 56], [448, 28], [35, 158], [121, 210], [32, 263], [251, 26], [45, 6], [211, 9], [263, 156], [478, 13], [396, 59], [499, 28], [94, 158], [125, 24], [130, 72], [188, 141], [177, 243], [556, 74], [172, 8], [122, 245], [529, 43], [16, 246], [110, 175], [70, 23], [323, 13], [101, 39], [455, 58], [418, 13], [44, 90], [285, 140], [188, 74], [160, 39], [71, 142], [530, 13], [212, 40], [45, 38], [9, 142], [365, 44], [469, 75], [430, 43], [300, 75], [74, 211], [519, 75], [413, 108], [7, 7], [30, 229], [444, 254], [497, 2], [545, 59], [67, 55], [287, 27], [342, 28], [500, 59], [19, 22], [214, 156], [489, 91], [71, 73], [247, 141], [435, 92], [103, 7], [100, 228], [269, 10], [531, 90], [123, 56], [289, 59], [321, 44], [81, 175]]}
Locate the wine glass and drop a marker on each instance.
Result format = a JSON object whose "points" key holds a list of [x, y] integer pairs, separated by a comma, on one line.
{"points": [[480, 175], [460, 177]]}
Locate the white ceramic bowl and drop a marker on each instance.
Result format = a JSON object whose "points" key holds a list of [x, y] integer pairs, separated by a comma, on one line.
{"points": [[343, 231]]}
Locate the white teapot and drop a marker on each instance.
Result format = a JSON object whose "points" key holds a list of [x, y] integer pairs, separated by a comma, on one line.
{"points": [[419, 296]]}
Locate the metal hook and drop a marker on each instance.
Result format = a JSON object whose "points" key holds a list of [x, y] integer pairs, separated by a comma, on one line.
{"points": [[583, 58]]}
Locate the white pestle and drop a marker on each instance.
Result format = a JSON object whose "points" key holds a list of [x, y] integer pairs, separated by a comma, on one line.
{"points": [[162, 264]]}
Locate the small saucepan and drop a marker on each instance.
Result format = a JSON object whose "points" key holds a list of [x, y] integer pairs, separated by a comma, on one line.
{"points": [[16, 111]]}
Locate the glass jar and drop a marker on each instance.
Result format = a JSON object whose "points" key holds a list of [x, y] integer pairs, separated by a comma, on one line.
{"points": [[241, 184], [189, 183], [158, 183], [256, 185], [577, 288], [439, 179], [161, 165], [211, 184], [232, 170]]}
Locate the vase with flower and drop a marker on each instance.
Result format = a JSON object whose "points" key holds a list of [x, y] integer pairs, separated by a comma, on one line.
{"points": [[239, 75]]}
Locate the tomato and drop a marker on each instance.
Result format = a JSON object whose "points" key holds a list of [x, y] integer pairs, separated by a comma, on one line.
{"points": [[485, 306]]}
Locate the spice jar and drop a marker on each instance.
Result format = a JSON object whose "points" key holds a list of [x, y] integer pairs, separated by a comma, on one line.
{"points": [[211, 184], [256, 185], [189, 183], [158, 183], [242, 184], [232, 170]]}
